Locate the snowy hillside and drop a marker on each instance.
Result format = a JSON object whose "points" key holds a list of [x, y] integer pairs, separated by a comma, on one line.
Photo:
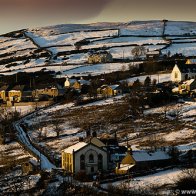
{"points": [[32, 50]]}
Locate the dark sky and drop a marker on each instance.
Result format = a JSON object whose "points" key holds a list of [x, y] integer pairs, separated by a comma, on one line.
{"points": [[16, 14]]}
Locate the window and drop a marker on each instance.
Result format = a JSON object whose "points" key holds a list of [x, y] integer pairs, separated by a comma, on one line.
{"points": [[91, 158], [82, 162], [176, 75], [100, 162]]}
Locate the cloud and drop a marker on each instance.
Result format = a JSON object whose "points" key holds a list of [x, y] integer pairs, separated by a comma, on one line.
{"points": [[73, 9]]}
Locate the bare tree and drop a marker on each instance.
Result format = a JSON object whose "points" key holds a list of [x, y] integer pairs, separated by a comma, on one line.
{"points": [[123, 68], [138, 51], [57, 124]]}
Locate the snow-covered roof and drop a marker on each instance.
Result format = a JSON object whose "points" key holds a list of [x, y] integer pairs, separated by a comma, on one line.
{"points": [[113, 87], [191, 61], [186, 68], [125, 167], [175, 89], [155, 52], [72, 81], [147, 156], [82, 81], [4, 88], [75, 147], [189, 82]]}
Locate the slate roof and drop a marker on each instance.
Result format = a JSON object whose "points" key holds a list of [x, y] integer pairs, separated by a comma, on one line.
{"points": [[75, 147], [84, 82], [48, 86], [189, 82], [18, 88], [187, 68], [4, 88], [114, 87], [145, 156]]}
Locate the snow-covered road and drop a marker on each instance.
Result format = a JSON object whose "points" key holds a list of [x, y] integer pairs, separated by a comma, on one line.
{"points": [[45, 163]]}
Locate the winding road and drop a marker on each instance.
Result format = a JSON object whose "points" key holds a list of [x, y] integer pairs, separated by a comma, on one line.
{"points": [[22, 136]]}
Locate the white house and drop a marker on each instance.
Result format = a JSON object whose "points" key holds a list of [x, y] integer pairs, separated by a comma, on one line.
{"points": [[74, 83], [183, 72], [191, 61], [84, 157]]}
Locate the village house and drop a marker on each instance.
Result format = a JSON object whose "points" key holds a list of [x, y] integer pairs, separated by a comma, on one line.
{"points": [[75, 84], [30, 166], [52, 90], [71, 83], [4, 93], [126, 164], [15, 94], [84, 157], [109, 90], [142, 160], [183, 72], [191, 61], [145, 159], [100, 57], [187, 86], [153, 55]]}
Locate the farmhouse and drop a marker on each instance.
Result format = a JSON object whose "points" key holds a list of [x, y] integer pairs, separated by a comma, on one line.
{"points": [[52, 90], [187, 86], [191, 61], [109, 90], [142, 160], [15, 94], [100, 57], [126, 164], [4, 92], [71, 83], [75, 84], [183, 72], [153, 55]]}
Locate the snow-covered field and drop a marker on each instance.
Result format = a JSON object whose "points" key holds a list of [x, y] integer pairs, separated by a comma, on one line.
{"points": [[118, 38], [13, 45], [158, 77], [187, 49], [158, 179], [130, 40], [187, 109], [148, 28], [12, 152], [68, 135], [125, 52], [14, 181], [180, 28], [70, 38], [97, 69]]}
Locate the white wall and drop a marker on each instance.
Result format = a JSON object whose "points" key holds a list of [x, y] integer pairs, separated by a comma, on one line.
{"points": [[87, 150], [174, 71]]}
